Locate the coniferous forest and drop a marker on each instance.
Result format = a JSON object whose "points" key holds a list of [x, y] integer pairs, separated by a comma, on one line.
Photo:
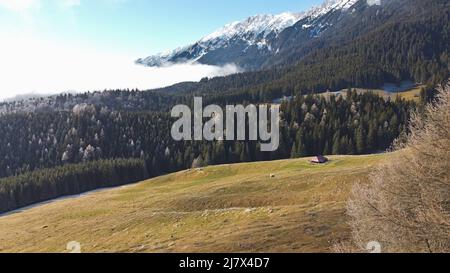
{"points": [[86, 145], [70, 143], [311, 125], [33, 187]]}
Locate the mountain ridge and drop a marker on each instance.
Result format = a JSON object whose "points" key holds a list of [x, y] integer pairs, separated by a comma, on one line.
{"points": [[253, 31], [248, 43]]}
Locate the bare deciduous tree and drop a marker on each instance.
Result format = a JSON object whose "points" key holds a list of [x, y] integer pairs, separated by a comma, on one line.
{"points": [[406, 205]]}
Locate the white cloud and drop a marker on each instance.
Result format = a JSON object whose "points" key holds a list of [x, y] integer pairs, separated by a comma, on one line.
{"points": [[27, 5], [34, 65], [19, 5], [70, 3]]}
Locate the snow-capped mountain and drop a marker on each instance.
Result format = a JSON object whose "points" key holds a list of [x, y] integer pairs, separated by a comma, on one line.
{"points": [[249, 43], [237, 37], [328, 6], [254, 28]]}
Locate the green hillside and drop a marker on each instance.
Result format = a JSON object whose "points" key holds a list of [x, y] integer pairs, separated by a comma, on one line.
{"points": [[281, 206]]}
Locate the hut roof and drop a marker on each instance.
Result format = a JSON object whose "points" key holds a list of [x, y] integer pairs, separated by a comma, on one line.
{"points": [[319, 159]]}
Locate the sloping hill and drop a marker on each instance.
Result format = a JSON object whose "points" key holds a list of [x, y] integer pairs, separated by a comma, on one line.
{"points": [[229, 208]]}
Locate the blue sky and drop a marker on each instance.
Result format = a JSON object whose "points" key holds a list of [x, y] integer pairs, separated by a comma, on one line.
{"points": [[52, 46], [137, 26]]}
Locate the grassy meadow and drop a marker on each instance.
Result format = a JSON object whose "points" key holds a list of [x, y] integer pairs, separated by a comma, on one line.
{"points": [[228, 208]]}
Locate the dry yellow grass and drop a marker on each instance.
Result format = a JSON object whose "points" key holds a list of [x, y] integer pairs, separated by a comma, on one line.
{"points": [[409, 95], [229, 208]]}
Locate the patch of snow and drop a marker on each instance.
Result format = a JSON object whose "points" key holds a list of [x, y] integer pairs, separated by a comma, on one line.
{"points": [[330, 5], [374, 2], [255, 26]]}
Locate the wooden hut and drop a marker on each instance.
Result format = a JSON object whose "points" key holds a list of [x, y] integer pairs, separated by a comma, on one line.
{"points": [[320, 159]]}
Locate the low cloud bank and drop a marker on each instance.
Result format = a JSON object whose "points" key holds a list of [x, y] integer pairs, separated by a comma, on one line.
{"points": [[41, 67]]}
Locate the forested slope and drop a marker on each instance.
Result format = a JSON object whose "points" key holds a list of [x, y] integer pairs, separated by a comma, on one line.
{"points": [[310, 125], [404, 43]]}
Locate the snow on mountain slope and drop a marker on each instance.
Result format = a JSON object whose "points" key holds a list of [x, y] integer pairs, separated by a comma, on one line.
{"points": [[328, 6], [255, 26], [245, 43], [252, 31], [316, 19]]}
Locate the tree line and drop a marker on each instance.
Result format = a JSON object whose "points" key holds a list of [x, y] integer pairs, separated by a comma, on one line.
{"points": [[310, 125], [46, 184], [414, 49], [67, 129]]}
